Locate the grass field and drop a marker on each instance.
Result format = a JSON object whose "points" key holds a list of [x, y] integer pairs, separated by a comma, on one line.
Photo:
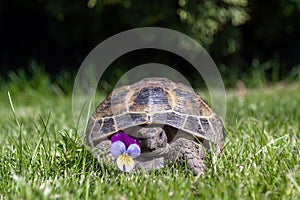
{"points": [[43, 157]]}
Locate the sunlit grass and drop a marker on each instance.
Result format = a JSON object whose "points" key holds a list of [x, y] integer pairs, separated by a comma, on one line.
{"points": [[43, 157]]}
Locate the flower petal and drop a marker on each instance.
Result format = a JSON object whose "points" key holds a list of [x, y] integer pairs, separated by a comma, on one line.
{"points": [[117, 148], [133, 150], [117, 136], [125, 163], [123, 137]]}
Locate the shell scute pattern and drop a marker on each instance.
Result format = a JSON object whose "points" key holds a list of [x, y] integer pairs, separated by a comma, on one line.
{"points": [[192, 125], [169, 118], [150, 99], [155, 101]]}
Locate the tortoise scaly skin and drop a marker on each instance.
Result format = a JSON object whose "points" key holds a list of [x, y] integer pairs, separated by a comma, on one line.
{"points": [[154, 109]]}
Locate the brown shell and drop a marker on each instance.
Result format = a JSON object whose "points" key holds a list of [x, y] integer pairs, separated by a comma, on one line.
{"points": [[155, 101]]}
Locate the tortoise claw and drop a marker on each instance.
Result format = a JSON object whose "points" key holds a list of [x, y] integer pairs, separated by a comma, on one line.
{"points": [[187, 151]]}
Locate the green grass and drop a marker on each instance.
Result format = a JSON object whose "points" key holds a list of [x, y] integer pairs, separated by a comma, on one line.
{"points": [[43, 157]]}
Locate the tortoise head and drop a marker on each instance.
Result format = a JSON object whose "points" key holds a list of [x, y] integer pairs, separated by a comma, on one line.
{"points": [[152, 139]]}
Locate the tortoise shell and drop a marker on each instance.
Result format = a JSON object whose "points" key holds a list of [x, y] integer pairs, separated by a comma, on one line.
{"points": [[155, 101]]}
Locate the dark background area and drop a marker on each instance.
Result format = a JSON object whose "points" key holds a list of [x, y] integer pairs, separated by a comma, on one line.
{"points": [[245, 38]]}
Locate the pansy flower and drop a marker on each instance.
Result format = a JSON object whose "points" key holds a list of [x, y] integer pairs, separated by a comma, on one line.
{"points": [[125, 149]]}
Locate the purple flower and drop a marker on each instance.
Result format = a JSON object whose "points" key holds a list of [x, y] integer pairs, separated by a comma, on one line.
{"points": [[125, 149], [123, 137]]}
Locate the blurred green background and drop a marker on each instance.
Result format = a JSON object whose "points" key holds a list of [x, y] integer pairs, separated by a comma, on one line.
{"points": [[256, 41]]}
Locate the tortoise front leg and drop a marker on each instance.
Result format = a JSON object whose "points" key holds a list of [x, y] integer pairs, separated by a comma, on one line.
{"points": [[187, 151], [102, 152]]}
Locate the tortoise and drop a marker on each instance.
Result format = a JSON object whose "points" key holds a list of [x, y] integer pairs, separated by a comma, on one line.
{"points": [[170, 121]]}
